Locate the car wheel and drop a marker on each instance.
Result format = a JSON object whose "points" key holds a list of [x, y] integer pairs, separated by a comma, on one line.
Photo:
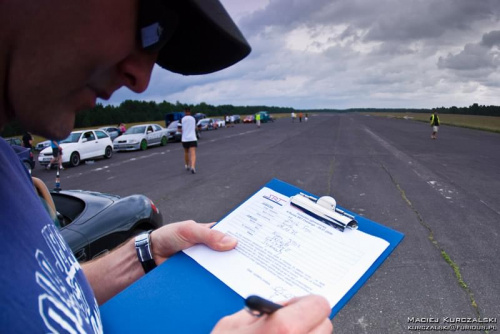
{"points": [[144, 145], [27, 165], [74, 160], [108, 152], [164, 141]]}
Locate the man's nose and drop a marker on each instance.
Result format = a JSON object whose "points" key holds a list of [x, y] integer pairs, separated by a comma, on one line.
{"points": [[136, 70]]}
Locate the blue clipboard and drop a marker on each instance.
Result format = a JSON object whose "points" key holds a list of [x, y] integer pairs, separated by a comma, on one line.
{"points": [[181, 296]]}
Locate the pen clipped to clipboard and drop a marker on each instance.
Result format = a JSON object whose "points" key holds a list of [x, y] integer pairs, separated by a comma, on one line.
{"points": [[325, 209]]}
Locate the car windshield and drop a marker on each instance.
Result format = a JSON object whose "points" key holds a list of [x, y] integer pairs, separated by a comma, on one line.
{"points": [[135, 130], [203, 121], [72, 138]]}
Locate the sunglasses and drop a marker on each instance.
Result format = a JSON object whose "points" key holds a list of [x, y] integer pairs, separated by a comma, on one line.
{"points": [[156, 24]]}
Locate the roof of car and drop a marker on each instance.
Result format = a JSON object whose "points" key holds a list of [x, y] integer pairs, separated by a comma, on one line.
{"points": [[135, 126], [81, 131]]}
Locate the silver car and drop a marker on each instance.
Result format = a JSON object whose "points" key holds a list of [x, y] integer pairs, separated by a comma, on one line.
{"points": [[141, 137], [42, 145], [173, 131], [113, 132]]}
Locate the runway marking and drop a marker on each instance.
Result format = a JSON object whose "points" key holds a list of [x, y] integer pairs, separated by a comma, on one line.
{"points": [[489, 207], [362, 323], [99, 169], [423, 172], [446, 257], [74, 175], [430, 178]]}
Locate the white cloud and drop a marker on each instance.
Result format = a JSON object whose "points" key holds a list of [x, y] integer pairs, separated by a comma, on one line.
{"points": [[356, 53]]}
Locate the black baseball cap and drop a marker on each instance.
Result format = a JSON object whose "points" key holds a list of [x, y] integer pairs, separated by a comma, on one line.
{"points": [[192, 36]]}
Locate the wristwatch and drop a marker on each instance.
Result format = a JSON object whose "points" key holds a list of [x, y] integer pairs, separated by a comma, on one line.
{"points": [[143, 248]]}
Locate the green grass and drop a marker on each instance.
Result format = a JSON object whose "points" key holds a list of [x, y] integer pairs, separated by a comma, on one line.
{"points": [[485, 123]]}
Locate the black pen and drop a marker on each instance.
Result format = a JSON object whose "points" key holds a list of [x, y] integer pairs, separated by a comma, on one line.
{"points": [[259, 306]]}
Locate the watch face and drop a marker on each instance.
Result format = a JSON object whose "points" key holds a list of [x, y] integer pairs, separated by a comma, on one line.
{"points": [[142, 246]]}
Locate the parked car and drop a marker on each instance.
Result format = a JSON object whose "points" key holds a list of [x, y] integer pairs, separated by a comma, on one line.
{"points": [[173, 131], [40, 146], [14, 141], [199, 116], [265, 117], [173, 116], [249, 119], [93, 223], [113, 132], [206, 124], [79, 146], [235, 119], [220, 122], [141, 137], [25, 155]]}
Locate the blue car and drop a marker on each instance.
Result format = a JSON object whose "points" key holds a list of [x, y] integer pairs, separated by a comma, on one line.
{"points": [[14, 141], [25, 155]]}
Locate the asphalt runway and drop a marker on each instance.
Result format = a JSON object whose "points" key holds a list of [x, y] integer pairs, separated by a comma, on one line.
{"points": [[442, 194]]}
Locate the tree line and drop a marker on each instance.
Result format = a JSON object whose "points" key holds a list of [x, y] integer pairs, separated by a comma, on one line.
{"points": [[133, 111], [475, 109]]}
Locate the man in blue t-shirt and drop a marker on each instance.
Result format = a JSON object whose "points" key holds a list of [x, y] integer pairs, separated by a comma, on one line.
{"points": [[57, 152], [56, 58]]}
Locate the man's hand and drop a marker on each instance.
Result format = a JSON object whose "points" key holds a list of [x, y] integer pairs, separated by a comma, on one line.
{"points": [[169, 239], [112, 273], [307, 314]]}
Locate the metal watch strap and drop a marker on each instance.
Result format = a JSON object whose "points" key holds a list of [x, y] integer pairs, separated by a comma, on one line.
{"points": [[143, 249]]}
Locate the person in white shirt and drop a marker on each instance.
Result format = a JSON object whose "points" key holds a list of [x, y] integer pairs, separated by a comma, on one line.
{"points": [[189, 141]]}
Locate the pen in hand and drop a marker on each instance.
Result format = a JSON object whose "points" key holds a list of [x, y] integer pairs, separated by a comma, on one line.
{"points": [[258, 306]]}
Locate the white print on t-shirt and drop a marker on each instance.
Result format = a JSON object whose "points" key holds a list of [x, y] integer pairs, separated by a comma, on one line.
{"points": [[63, 305]]}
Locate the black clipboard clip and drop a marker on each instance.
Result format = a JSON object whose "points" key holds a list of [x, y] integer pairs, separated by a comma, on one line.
{"points": [[325, 210]]}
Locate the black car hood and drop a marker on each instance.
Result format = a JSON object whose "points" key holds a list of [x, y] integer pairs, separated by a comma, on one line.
{"points": [[94, 223], [94, 202]]}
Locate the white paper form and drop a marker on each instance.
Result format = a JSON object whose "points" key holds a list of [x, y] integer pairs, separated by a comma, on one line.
{"points": [[282, 252]]}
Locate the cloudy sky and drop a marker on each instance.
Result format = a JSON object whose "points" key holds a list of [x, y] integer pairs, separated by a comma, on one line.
{"points": [[351, 53]]}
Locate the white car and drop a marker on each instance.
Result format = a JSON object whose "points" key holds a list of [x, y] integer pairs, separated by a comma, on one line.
{"points": [[206, 124], [140, 137], [79, 146], [220, 122]]}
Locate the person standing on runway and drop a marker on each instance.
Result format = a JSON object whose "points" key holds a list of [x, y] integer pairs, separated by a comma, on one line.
{"points": [[189, 140]]}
